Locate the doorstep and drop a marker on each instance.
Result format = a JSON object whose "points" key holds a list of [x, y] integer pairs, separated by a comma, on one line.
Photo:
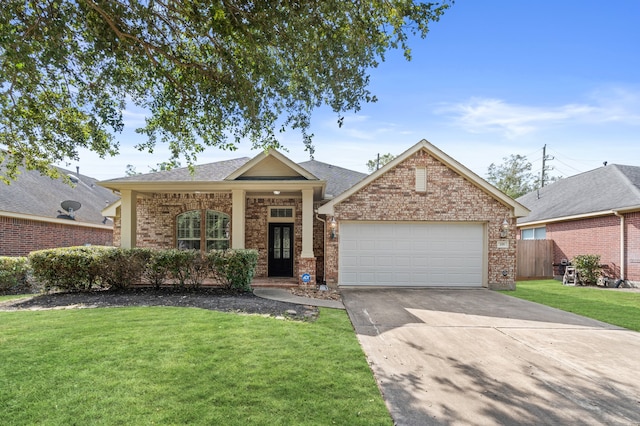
{"points": [[276, 282]]}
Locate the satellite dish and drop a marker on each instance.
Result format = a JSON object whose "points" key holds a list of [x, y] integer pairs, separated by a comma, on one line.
{"points": [[70, 207]]}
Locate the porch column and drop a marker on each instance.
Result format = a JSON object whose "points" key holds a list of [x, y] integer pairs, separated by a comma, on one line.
{"points": [[128, 219], [307, 223], [237, 218]]}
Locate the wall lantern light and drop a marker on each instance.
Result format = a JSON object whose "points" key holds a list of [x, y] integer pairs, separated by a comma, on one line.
{"points": [[504, 229], [333, 225]]}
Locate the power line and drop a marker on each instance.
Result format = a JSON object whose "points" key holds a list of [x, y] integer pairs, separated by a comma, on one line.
{"points": [[583, 162], [569, 165]]}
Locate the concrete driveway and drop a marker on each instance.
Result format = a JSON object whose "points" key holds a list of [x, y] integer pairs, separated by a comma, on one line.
{"points": [[444, 357]]}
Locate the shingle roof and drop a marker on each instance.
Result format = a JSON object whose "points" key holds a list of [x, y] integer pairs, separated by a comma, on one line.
{"points": [[38, 195], [606, 188], [338, 179], [210, 172]]}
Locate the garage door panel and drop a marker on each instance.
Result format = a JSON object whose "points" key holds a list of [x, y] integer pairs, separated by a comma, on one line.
{"points": [[397, 254], [366, 261], [405, 262], [406, 245]]}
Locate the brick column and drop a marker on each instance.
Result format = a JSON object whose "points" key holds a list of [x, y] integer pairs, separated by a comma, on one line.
{"points": [[307, 265]]}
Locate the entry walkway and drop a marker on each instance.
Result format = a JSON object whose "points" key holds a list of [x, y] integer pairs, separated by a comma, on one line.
{"points": [[284, 295]]}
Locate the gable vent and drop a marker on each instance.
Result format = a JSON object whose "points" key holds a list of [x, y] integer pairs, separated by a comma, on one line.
{"points": [[421, 179]]}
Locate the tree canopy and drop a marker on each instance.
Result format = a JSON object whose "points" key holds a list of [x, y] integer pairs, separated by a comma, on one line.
{"points": [[513, 176], [209, 73], [379, 161]]}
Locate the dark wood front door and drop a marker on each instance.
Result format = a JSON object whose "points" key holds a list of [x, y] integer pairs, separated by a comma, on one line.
{"points": [[281, 249]]}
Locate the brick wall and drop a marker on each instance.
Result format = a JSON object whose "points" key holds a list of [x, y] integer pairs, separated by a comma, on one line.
{"points": [[19, 237], [449, 197], [157, 214], [600, 236], [632, 248]]}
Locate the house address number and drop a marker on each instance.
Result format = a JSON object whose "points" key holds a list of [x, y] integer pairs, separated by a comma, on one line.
{"points": [[503, 244]]}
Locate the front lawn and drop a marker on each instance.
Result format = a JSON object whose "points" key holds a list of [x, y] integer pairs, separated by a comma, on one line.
{"points": [[7, 297], [160, 365], [612, 306]]}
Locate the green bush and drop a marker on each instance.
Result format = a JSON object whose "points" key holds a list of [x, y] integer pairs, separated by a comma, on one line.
{"points": [[69, 268], [120, 268], [84, 268], [158, 267], [588, 267], [13, 274], [180, 263], [199, 270], [234, 269]]}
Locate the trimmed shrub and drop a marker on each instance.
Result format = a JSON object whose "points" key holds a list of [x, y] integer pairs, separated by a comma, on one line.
{"points": [[179, 263], [120, 268], [199, 270], [588, 267], [13, 274], [233, 269], [69, 268], [84, 268], [158, 267]]}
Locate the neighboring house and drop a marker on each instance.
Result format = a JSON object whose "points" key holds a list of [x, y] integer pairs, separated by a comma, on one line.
{"points": [[596, 212], [32, 218], [421, 220]]}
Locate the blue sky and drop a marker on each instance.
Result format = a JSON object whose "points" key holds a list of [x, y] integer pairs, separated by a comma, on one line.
{"points": [[492, 78]]}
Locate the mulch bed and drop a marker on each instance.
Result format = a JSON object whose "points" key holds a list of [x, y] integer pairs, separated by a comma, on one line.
{"points": [[210, 298]]}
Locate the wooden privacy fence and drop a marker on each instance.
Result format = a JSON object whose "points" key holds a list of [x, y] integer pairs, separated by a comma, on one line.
{"points": [[535, 258]]}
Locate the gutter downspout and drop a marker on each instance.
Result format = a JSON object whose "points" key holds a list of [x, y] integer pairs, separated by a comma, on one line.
{"points": [[622, 254]]}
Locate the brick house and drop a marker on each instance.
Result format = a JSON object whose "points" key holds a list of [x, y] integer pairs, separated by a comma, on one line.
{"points": [[32, 218], [596, 212], [421, 220]]}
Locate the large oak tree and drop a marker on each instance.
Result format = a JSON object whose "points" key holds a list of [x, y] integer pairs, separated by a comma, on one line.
{"points": [[209, 73]]}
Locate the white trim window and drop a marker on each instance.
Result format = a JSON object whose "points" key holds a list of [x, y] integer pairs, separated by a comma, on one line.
{"points": [[539, 233], [189, 226], [281, 214]]}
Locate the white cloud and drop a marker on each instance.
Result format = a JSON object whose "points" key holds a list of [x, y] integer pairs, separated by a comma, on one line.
{"points": [[362, 128], [134, 119], [487, 115]]}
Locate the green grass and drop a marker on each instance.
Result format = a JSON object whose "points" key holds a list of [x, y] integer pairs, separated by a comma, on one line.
{"points": [[183, 366], [620, 308], [14, 296]]}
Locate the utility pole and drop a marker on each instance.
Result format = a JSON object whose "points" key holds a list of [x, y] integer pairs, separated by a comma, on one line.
{"points": [[545, 158]]}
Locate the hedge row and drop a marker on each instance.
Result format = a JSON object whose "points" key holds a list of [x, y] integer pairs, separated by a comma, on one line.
{"points": [[86, 268], [13, 273]]}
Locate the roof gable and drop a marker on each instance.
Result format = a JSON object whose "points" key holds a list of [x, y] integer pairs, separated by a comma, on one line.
{"points": [[270, 165], [267, 172], [605, 189], [519, 210]]}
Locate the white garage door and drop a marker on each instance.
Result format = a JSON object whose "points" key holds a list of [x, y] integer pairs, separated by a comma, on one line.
{"points": [[415, 255]]}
